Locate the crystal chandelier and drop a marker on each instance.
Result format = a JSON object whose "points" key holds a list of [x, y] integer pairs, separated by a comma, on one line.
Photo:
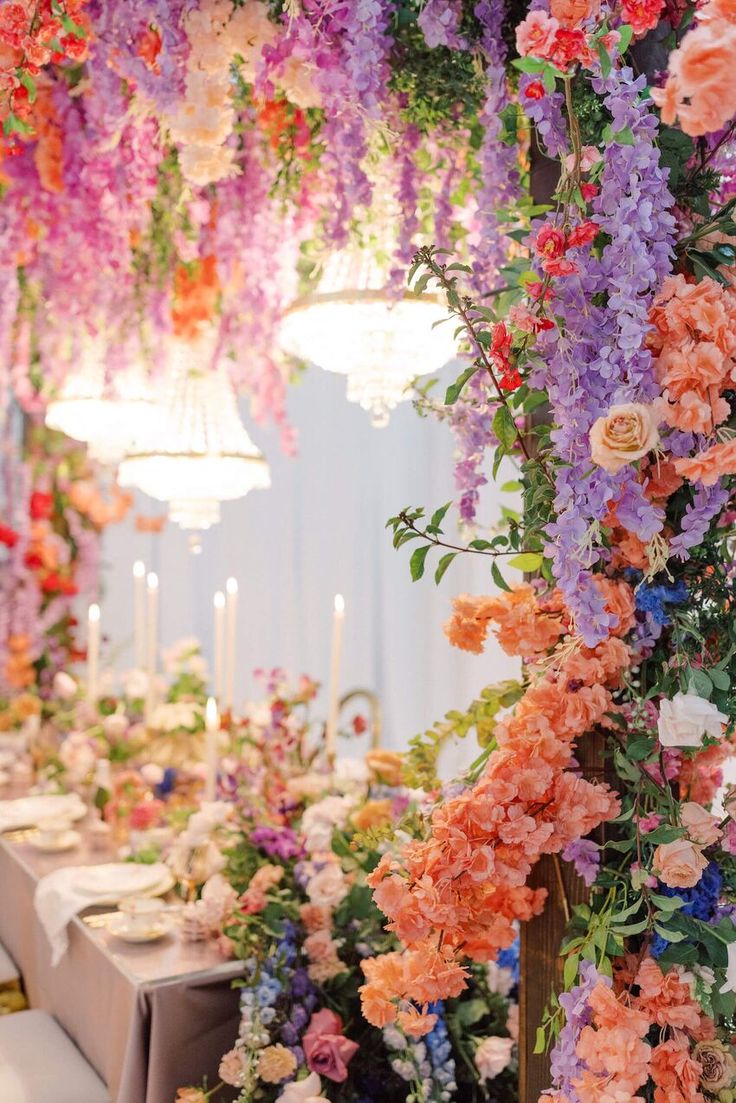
{"points": [[107, 414], [199, 453], [354, 325]]}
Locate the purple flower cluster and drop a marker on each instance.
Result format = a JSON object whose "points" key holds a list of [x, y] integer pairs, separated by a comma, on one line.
{"points": [[565, 1065], [440, 23], [585, 855], [277, 842], [499, 176], [599, 356]]}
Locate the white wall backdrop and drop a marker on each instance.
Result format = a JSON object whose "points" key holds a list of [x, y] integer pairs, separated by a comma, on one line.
{"points": [[319, 531]]}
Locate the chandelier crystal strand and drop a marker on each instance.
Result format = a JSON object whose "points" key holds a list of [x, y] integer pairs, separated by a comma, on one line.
{"points": [[200, 452], [352, 324]]}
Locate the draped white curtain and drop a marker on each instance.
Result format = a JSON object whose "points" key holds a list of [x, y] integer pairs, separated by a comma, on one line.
{"points": [[319, 531]]}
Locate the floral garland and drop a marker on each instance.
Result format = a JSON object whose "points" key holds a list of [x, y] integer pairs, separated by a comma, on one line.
{"points": [[50, 532], [616, 326]]}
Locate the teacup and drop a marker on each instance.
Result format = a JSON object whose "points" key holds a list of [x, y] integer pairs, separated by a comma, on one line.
{"points": [[51, 829], [142, 913]]}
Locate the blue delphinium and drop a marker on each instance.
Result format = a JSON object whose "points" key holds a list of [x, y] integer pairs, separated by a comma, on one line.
{"points": [[653, 598], [439, 1049], [701, 901]]}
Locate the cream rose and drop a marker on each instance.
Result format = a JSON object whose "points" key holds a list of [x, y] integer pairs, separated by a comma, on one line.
{"points": [[687, 719], [719, 1066], [624, 434], [492, 1056], [327, 888], [679, 864]]}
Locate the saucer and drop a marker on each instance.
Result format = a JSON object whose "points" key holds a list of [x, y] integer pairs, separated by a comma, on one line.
{"points": [[65, 841], [118, 926]]}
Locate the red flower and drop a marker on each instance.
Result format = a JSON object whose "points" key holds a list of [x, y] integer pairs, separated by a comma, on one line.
{"points": [[642, 15], [583, 234], [535, 90], [569, 47], [550, 242], [544, 323], [510, 380], [148, 46], [359, 725], [41, 506], [559, 266], [534, 291], [9, 537], [500, 341], [33, 560], [589, 191]]}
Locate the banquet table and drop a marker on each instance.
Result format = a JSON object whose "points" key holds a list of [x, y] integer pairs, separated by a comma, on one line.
{"points": [[149, 1018]]}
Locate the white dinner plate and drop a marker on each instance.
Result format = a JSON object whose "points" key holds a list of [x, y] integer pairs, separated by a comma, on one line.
{"points": [[27, 811], [65, 841], [119, 879]]}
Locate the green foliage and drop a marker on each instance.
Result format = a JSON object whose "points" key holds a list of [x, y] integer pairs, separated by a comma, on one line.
{"points": [[420, 769]]}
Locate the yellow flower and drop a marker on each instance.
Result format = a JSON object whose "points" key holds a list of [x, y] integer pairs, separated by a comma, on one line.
{"points": [[374, 813], [275, 1063], [385, 765]]}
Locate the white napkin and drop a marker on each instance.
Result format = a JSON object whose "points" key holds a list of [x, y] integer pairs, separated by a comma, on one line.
{"points": [[62, 894], [25, 811]]}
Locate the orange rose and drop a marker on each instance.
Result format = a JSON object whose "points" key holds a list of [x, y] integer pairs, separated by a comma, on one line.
{"points": [[625, 434]]}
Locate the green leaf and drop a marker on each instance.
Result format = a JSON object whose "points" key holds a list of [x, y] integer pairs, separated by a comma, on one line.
{"points": [[439, 515], [570, 970], [416, 563], [504, 427], [624, 137], [512, 487], [540, 1041], [604, 58], [471, 1011], [442, 566], [626, 33], [720, 679], [668, 934], [526, 561], [28, 83], [499, 579], [455, 389], [549, 79], [700, 682], [529, 64], [480, 545]]}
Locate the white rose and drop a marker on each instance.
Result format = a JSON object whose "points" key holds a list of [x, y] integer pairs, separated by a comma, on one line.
{"points": [[302, 1091], [319, 821], [115, 725], [327, 888], [77, 756], [687, 719], [64, 685], [492, 1056], [499, 979]]}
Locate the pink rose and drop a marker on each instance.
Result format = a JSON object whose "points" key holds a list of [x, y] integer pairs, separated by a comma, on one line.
{"points": [[327, 1050], [536, 34], [146, 814], [492, 1056], [680, 864]]}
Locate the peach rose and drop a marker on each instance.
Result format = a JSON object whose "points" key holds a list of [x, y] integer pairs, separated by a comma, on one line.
{"points": [[679, 864], [492, 1056], [571, 12], [385, 765], [374, 813], [702, 827], [625, 434]]}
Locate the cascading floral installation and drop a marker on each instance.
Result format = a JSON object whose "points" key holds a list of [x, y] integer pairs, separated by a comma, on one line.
{"points": [[143, 141], [54, 511], [604, 370]]}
